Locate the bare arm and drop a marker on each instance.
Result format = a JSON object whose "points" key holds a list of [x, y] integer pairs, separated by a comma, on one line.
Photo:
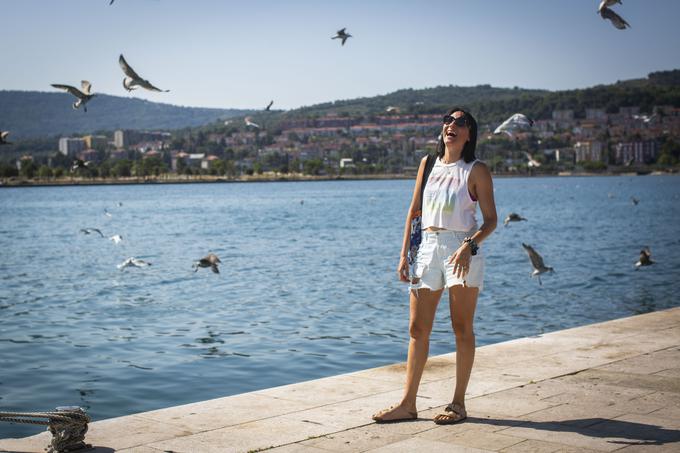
{"points": [[402, 270], [482, 189], [481, 186]]}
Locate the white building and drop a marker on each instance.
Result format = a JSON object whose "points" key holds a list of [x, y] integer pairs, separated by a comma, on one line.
{"points": [[346, 162], [589, 150], [71, 146], [124, 138]]}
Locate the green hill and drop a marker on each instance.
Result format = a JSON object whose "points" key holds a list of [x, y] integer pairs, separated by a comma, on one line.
{"points": [[29, 114], [32, 114], [492, 104]]}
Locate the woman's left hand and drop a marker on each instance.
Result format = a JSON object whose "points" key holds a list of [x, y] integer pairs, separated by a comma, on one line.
{"points": [[461, 261]]}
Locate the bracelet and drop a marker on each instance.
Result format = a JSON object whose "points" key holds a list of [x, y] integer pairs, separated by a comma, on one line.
{"points": [[473, 245]]}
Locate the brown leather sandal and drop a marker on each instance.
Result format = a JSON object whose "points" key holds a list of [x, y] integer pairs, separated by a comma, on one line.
{"points": [[453, 413]]}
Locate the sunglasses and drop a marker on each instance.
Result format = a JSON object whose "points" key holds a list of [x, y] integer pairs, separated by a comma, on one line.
{"points": [[460, 121]]}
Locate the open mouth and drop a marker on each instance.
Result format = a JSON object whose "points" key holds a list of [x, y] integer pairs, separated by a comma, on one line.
{"points": [[451, 134]]}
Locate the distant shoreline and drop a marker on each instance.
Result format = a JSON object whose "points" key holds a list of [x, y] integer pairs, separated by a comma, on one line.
{"points": [[205, 179]]}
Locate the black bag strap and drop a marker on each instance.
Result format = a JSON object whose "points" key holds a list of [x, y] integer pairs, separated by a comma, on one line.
{"points": [[429, 163]]}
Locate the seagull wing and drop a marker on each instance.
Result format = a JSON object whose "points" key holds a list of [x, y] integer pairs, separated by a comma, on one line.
{"points": [[127, 69], [269, 105], [536, 259], [341, 31], [73, 90], [146, 84], [97, 230], [344, 38], [616, 20], [3, 135]]}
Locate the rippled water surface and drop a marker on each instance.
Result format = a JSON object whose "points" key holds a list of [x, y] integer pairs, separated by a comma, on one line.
{"points": [[307, 286]]}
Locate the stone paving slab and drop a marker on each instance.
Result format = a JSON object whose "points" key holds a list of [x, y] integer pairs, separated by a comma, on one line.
{"points": [[612, 386]]}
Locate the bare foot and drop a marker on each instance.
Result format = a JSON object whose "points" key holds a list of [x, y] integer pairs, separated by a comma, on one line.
{"points": [[395, 414]]}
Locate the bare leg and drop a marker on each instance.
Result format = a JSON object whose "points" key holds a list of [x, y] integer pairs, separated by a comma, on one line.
{"points": [[423, 307], [462, 303]]}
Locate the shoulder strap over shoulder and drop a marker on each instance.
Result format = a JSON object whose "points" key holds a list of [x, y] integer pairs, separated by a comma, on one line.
{"points": [[429, 163]]}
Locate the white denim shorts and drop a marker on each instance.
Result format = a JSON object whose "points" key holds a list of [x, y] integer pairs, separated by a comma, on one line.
{"points": [[432, 269]]}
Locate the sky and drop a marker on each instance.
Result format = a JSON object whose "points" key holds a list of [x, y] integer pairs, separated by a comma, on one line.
{"points": [[242, 54]]}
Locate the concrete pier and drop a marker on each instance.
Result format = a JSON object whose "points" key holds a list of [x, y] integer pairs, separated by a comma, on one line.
{"points": [[612, 386]]}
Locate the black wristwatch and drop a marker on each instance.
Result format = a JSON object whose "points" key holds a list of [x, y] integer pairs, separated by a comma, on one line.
{"points": [[473, 245]]}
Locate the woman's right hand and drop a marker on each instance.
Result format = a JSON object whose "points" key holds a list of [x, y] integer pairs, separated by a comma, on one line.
{"points": [[402, 270]]}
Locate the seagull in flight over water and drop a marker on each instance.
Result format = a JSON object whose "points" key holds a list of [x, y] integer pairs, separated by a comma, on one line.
{"points": [[133, 80], [342, 34], [211, 260], [133, 262], [116, 238], [536, 262], [645, 258], [3, 138], [83, 95], [513, 217], [91, 230]]}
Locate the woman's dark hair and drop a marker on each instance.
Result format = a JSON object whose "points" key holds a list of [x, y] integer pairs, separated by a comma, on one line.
{"points": [[471, 145]]}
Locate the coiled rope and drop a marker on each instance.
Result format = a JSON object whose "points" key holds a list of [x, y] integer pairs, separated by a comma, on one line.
{"points": [[67, 424]]}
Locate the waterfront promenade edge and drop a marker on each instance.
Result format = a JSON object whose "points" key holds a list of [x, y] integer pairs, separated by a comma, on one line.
{"points": [[611, 386]]}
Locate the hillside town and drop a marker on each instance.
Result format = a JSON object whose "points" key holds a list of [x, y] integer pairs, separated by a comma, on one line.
{"points": [[389, 143]]}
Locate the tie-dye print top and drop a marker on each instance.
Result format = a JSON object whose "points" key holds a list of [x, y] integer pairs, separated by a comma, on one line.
{"points": [[447, 202]]}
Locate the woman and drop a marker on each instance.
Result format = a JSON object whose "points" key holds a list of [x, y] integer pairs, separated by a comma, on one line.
{"points": [[450, 256]]}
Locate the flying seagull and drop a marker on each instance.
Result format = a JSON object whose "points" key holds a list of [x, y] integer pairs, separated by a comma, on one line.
{"points": [[78, 164], [3, 138], [513, 217], [116, 238], [133, 80], [531, 161], [616, 20], [269, 106], [607, 4], [107, 213], [250, 123], [341, 34], [516, 122], [536, 262], [634, 200], [83, 95], [133, 262], [211, 261], [645, 258], [92, 230], [111, 2]]}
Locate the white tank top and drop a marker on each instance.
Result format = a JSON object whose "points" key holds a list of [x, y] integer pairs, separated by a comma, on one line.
{"points": [[447, 202]]}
